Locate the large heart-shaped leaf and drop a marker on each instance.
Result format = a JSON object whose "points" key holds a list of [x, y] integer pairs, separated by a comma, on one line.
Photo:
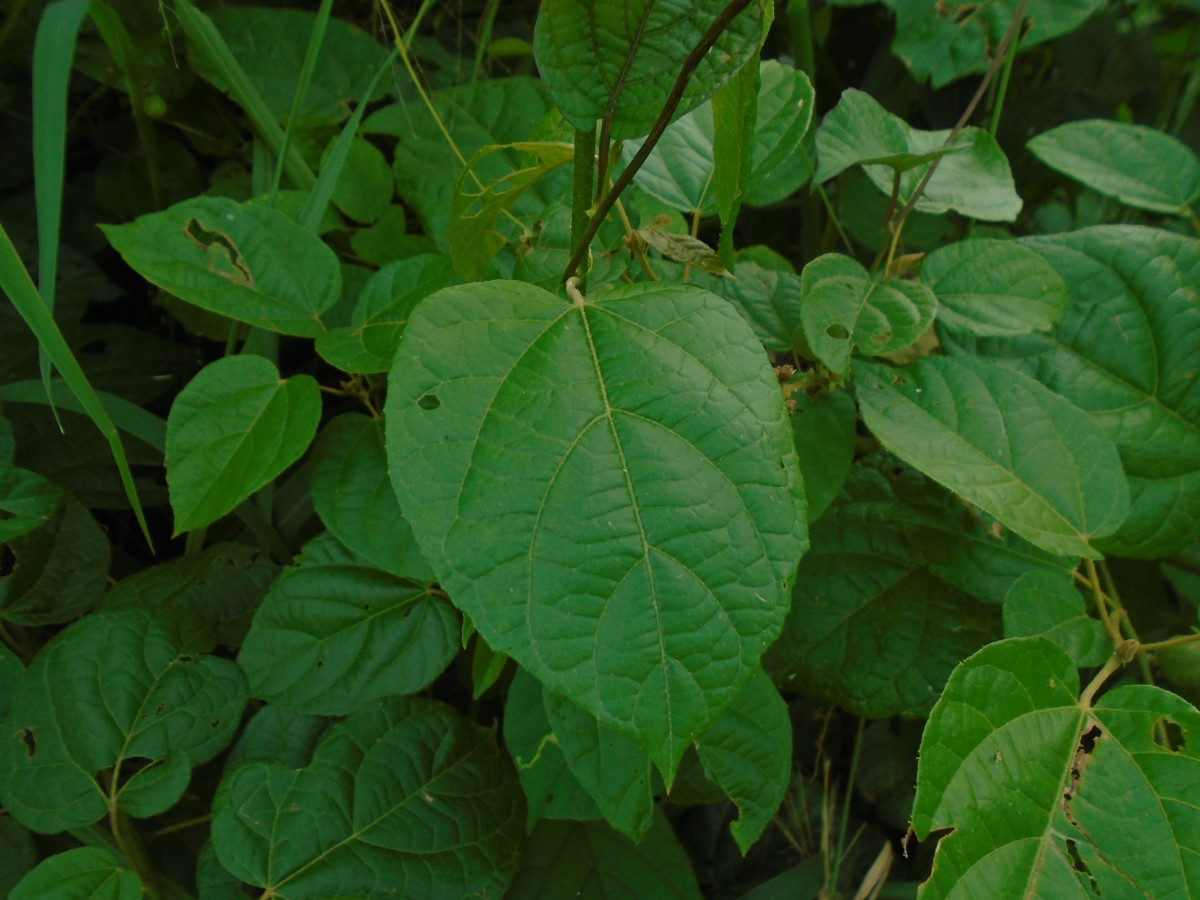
{"points": [[611, 492], [843, 309], [1004, 442], [113, 692], [620, 58], [1140, 166], [246, 261], [234, 427], [406, 796], [1041, 788]]}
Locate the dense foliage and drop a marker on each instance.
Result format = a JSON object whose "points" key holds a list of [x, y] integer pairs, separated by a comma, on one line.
{"points": [[651, 448]]}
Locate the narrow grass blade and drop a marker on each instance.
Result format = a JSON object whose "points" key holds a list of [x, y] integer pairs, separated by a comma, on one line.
{"points": [[15, 282], [320, 26], [206, 39], [128, 417]]}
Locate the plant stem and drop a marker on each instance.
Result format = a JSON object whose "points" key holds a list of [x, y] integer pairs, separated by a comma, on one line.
{"points": [[484, 36], [583, 192], [800, 20], [1170, 642], [664, 119], [1089, 693], [1002, 91], [844, 819]]}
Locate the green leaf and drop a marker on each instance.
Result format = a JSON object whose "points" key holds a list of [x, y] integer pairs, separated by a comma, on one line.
{"points": [[872, 629], [1039, 603], [825, 428], [475, 115], [474, 240], [407, 794], [768, 299], [27, 500], [85, 872], [387, 240], [1126, 353], [611, 767], [369, 342], [748, 753], [1140, 166], [620, 58], [843, 309], [355, 500], [612, 481], [972, 176], [270, 45], [329, 638], [234, 428], [1040, 788], [551, 790], [589, 859], [991, 287], [364, 187], [279, 735], [113, 692], [210, 596], [59, 571], [734, 109], [946, 42], [1005, 443], [10, 670], [17, 852], [246, 261]]}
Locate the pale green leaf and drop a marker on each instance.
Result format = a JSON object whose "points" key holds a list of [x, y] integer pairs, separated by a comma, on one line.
{"points": [[86, 873], [354, 498], [246, 261], [972, 177], [843, 309], [611, 493], [947, 41], [1039, 603], [235, 427], [991, 287], [1005, 443], [1139, 166], [369, 342], [589, 859], [405, 794], [108, 692], [1046, 796], [620, 58], [329, 638]]}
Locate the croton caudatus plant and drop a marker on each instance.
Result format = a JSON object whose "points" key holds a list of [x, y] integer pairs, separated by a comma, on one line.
{"points": [[607, 448]]}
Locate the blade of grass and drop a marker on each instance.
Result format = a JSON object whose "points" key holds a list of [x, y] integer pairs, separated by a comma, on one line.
{"points": [[15, 281], [129, 417], [318, 200], [205, 38], [53, 54], [320, 26]]}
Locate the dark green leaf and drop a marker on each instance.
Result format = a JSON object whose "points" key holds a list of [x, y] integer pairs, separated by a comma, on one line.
{"points": [[734, 108], [113, 692], [354, 497], [234, 428], [767, 298], [407, 794], [1039, 603], [249, 262], [639, 507], [824, 426], [364, 187], [1005, 443], [279, 735], [27, 500], [88, 873], [17, 853]]}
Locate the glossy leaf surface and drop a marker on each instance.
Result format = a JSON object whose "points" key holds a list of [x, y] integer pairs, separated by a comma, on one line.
{"points": [[617, 514]]}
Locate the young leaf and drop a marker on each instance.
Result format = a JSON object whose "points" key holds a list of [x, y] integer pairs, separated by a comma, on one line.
{"points": [[613, 482], [972, 178], [1139, 166], [407, 794], [113, 692], [82, 872], [1040, 787], [369, 342], [354, 498], [842, 309], [1039, 603], [1005, 443], [328, 639], [572, 859], [620, 58], [246, 261], [990, 287], [234, 428], [734, 108]]}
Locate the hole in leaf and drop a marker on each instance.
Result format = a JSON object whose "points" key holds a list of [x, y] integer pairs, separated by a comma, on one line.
{"points": [[29, 740], [222, 254], [837, 332], [429, 402], [1169, 735], [1081, 867], [320, 662], [215, 723]]}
